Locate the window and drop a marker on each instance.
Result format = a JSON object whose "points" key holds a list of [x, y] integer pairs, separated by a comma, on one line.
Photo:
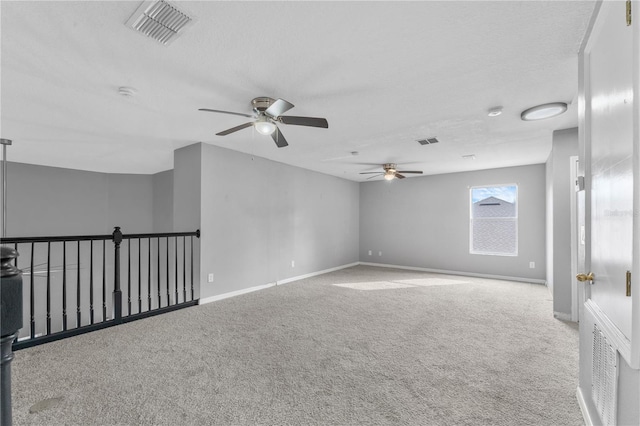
{"points": [[494, 220]]}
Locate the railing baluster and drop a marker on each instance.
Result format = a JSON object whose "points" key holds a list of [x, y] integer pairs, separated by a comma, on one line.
{"points": [[104, 280], [176, 267], [192, 296], [91, 282], [15, 246], [159, 280], [129, 276], [48, 287], [64, 285], [184, 269], [139, 277], [79, 312], [168, 277], [149, 273], [32, 301]]}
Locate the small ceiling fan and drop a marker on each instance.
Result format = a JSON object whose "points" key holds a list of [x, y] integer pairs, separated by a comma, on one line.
{"points": [[390, 172], [267, 112]]}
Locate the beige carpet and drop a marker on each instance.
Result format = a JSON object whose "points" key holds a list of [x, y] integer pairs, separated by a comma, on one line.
{"points": [[360, 346]]}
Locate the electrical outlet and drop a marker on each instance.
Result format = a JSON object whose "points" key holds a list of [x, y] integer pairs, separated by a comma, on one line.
{"points": [[293, 263], [379, 253], [210, 278], [369, 252], [532, 265]]}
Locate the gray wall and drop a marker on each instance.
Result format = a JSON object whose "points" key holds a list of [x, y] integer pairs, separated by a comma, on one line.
{"points": [[560, 190], [56, 201], [256, 222], [163, 201], [257, 216], [186, 188], [424, 222]]}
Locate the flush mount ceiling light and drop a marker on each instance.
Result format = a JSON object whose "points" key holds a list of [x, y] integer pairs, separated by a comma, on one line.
{"points": [[264, 126], [495, 111], [541, 112]]}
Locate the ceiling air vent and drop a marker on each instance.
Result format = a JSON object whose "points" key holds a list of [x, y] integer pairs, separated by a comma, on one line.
{"points": [[428, 141], [160, 20]]}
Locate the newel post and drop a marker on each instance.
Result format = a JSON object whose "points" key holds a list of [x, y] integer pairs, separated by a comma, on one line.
{"points": [[10, 324], [117, 293]]}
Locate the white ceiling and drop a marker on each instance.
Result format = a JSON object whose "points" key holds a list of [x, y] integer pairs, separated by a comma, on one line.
{"points": [[383, 74]]}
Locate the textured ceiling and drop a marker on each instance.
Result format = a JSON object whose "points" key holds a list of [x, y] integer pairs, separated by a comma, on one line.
{"points": [[384, 74]]}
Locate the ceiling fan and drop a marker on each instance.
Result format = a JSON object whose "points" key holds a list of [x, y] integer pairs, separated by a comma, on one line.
{"points": [[267, 112], [391, 172]]}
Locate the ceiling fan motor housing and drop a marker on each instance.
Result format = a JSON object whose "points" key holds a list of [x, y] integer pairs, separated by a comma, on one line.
{"points": [[389, 167], [261, 103]]}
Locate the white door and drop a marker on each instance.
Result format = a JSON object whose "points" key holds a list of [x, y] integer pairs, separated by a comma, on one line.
{"points": [[609, 60]]}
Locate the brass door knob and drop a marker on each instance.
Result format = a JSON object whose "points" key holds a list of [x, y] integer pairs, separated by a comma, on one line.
{"points": [[582, 277]]}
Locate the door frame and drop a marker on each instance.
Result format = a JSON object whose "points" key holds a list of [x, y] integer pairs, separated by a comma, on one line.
{"points": [[575, 238]]}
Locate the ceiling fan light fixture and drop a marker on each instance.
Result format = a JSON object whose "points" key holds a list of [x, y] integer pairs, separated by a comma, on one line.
{"points": [[540, 112], [264, 126], [389, 175]]}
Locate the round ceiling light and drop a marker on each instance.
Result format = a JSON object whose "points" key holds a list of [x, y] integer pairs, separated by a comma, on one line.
{"points": [[495, 111], [264, 126], [541, 112]]}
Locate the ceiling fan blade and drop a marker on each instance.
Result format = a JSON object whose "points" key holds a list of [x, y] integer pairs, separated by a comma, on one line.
{"points": [[235, 129], [227, 112], [407, 171], [379, 174], [399, 176], [368, 173], [279, 107], [278, 138], [304, 121]]}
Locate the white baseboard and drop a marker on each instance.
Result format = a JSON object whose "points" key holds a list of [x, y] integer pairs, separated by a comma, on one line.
{"points": [[562, 316], [313, 274], [262, 287], [464, 274], [583, 407], [234, 293], [383, 265]]}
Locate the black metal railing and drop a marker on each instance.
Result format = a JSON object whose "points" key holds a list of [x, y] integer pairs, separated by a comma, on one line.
{"points": [[68, 280]]}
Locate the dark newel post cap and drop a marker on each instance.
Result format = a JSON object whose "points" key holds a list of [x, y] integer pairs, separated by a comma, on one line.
{"points": [[117, 235], [10, 293], [7, 267]]}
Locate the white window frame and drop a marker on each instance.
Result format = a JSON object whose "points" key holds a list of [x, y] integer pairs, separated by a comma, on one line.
{"points": [[471, 220]]}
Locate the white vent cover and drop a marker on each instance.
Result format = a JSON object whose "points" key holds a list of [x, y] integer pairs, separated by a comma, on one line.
{"points": [[605, 377], [160, 20]]}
